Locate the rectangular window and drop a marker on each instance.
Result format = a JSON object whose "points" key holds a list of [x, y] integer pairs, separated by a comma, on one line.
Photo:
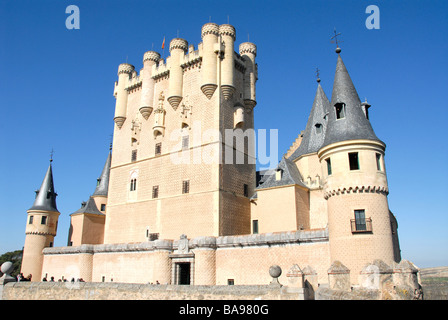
{"points": [[155, 192], [255, 226], [185, 142], [133, 185], [246, 190], [340, 110], [158, 148], [134, 156], [378, 161], [43, 220], [360, 220], [103, 207], [328, 166], [230, 282], [186, 186], [353, 160], [31, 220], [51, 244]]}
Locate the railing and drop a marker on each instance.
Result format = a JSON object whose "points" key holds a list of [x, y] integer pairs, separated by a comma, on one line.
{"points": [[364, 226]]}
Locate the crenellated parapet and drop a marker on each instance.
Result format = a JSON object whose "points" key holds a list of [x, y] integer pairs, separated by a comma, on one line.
{"points": [[227, 30], [125, 68], [151, 56], [209, 28], [178, 43], [248, 47]]}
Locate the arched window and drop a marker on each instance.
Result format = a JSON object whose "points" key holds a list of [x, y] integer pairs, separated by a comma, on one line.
{"points": [[340, 110]]}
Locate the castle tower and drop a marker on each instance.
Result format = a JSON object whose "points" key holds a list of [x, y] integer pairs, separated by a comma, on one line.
{"points": [[150, 59], [355, 182], [41, 227], [168, 175], [228, 35], [210, 46], [248, 52], [121, 94]]}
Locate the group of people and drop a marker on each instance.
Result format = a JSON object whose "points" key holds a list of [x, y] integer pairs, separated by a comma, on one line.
{"points": [[44, 279], [20, 277]]}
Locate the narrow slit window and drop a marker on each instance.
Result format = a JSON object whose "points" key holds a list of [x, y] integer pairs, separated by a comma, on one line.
{"points": [[30, 221], [246, 190], [353, 160], [133, 185], [134, 156], [378, 162], [340, 110], [328, 166], [155, 192], [318, 128], [158, 150], [185, 142], [255, 226], [43, 220], [186, 186]]}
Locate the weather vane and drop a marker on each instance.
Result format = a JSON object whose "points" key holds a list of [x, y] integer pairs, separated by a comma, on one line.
{"points": [[51, 155], [317, 74], [335, 37]]}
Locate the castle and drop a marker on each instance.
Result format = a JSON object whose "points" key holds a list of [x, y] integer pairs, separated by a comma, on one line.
{"points": [[167, 208]]}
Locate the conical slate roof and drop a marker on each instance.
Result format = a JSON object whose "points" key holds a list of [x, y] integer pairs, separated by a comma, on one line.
{"points": [[45, 196], [313, 137], [89, 207], [290, 176], [354, 125], [103, 181]]}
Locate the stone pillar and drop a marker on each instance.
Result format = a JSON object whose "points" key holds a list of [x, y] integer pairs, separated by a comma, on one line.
{"points": [[6, 269], [339, 277], [377, 276], [162, 261]]}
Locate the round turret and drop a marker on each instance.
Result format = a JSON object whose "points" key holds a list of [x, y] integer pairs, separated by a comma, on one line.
{"points": [[228, 35], [209, 28], [151, 56], [248, 47], [178, 43], [125, 68]]}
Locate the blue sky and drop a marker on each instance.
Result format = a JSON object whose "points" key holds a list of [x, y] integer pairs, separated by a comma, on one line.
{"points": [[56, 90]]}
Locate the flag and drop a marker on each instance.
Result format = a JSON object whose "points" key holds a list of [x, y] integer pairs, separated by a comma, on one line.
{"points": [[163, 43]]}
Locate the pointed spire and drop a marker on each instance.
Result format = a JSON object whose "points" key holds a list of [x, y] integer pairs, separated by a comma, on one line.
{"points": [[285, 174], [103, 181], [45, 196], [346, 119], [89, 207], [314, 134]]}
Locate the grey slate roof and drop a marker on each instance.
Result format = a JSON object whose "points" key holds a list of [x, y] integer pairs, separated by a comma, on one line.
{"points": [[312, 140], [355, 125], [290, 176], [103, 185], [89, 207], [45, 196]]}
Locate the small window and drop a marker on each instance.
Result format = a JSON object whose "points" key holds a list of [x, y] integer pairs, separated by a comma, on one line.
{"points": [[278, 175], [328, 166], [353, 160], [340, 110], [51, 244], [378, 161], [230, 282], [43, 220], [318, 128], [155, 192], [185, 142], [158, 148], [30, 221], [133, 186], [103, 207], [255, 226], [360, 219], [186, 186], [246, 190], [134, 156]]}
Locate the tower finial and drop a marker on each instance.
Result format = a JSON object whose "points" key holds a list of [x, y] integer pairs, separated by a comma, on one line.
{"points": [[51, 155], [317, 75], [335, 37]]}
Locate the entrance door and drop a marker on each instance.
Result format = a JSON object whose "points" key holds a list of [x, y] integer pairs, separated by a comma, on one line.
{"points": [[184, 273]]}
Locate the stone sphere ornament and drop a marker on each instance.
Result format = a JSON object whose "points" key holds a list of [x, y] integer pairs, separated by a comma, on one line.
{"points": [[7, 267], [275, 271]]}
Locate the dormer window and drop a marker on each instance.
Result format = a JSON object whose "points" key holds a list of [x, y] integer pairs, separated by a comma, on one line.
{"points": [[340, 110], [278, 175], [318, 128]]}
